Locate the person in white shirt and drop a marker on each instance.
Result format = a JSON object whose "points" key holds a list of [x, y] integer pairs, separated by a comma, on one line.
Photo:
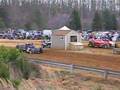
{"points": [[114, 39]]}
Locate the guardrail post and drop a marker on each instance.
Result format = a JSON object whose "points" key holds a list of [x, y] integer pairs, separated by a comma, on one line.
{"points": [[71, 67], [105, 74]]}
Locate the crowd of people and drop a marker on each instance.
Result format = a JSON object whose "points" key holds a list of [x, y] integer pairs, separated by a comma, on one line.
{"points": [[20, 34], [110, 35], [34, 34]]}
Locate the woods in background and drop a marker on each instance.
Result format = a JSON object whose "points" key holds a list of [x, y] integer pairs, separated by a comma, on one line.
{"points": [[104, 20], [78, 14]]}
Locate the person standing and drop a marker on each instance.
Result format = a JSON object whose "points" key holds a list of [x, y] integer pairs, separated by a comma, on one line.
{"points": [[114, 39]]}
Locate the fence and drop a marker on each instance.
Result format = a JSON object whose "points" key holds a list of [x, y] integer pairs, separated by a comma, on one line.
{"points": [[105, 72]]}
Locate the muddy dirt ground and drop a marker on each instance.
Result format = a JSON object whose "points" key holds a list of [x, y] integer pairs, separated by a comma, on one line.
{"points": [[52, 79], [59, 79], [100, 58], [95, 57]]}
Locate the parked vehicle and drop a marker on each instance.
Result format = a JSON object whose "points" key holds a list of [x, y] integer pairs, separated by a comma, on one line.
{"points": [[101, 43], [46, 44], [29, 48], [2, 36]]}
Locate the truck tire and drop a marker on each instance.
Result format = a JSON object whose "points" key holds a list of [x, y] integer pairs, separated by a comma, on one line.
{"points": [[41, 50], [106, 46], [116, 46], [30, 52], [91, 44]]}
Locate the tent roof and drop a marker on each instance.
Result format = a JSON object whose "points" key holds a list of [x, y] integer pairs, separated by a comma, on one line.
{"points": [[64, 28]]}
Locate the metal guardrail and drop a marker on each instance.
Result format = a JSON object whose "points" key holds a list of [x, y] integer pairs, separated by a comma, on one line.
{"points": [[106, 72]]}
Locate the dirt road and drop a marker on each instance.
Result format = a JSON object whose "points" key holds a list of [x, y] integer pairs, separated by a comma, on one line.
{"points": [[106, 61], [95, 57], [13, 43]]}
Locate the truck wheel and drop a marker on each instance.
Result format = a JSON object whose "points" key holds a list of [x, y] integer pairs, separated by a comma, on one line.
{"points": [[30, 52], [106, 46], [91, 44], [41, 50], [116, 46]]}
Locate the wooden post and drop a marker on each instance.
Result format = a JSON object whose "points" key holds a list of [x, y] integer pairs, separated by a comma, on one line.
{"points": [[105, 74]]}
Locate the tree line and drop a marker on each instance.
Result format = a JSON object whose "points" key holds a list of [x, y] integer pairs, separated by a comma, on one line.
{"points": [[104, 20], [38, 14]]}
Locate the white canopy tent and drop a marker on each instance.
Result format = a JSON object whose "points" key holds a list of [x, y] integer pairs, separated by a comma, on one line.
{"points": [[64, 28]]}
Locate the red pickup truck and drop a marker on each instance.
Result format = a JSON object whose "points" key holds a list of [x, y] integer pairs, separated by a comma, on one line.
{"points": [[101, 43]]}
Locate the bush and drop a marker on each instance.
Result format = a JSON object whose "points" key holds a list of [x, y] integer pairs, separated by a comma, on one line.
{"points": [[16, 83], [97, 87], [25, 68], [4, 71], [4, 54], [14, 54], [11, 56]]}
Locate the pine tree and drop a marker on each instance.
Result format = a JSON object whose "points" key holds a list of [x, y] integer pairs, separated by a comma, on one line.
{"points": [[3, 17], [110, 21], [107, 19], [28, 26], [38, 19], [2, 24], [75, 22], [114, 22], [97, 22]]}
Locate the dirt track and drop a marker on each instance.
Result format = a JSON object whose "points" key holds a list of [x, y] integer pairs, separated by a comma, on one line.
{"points": [[107, 61], [101, 58], [13, 43]]}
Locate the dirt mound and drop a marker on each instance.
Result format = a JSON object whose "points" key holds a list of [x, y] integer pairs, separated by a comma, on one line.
{"points": [[59, 79]]}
